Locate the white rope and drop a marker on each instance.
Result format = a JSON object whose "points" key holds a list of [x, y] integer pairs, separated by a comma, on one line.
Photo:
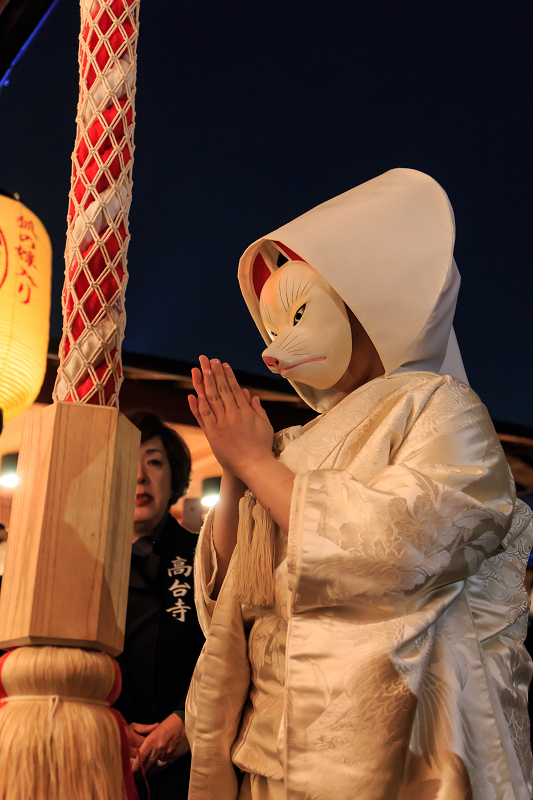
{"points": [[55, 698]]}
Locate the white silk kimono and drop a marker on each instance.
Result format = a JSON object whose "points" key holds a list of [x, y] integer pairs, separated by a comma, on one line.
{"points": [[392, 665]]}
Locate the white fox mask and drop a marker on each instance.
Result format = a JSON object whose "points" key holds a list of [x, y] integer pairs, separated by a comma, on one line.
{"points": [[308, 324]]}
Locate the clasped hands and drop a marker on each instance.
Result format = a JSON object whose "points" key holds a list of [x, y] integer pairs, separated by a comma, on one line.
{"points": [[241, 436], [235, 424], [158, 745]]}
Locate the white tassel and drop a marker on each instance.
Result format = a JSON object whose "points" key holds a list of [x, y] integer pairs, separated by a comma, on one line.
{"points": [[254, 581]]}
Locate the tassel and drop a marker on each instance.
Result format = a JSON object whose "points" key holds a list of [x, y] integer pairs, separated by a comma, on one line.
{"points": [[58, 738], [254, 581]]}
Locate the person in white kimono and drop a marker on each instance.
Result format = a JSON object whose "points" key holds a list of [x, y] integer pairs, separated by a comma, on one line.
{"points": [[365, 636]]}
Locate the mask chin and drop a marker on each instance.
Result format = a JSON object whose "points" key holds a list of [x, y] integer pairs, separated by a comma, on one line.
{"points": [[322, 375]]}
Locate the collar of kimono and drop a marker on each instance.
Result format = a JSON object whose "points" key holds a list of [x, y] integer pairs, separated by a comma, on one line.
{"points": [[374, 399]]}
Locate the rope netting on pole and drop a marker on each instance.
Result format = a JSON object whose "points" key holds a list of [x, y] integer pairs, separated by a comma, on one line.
{"points": [[94, 317], [63, 609]]}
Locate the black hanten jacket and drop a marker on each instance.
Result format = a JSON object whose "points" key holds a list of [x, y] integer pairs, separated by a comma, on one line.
{"points": [[163, 638]]}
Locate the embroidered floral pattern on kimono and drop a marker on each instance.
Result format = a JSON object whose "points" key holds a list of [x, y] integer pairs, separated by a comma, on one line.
{"points": [[392, 665]]}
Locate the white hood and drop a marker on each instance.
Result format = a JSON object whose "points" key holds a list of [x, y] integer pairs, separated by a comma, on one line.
{"points": [[386, 247]]}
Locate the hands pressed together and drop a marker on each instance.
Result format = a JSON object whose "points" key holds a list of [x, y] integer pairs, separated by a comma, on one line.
{"points": [[241, 436], [235, 424]]}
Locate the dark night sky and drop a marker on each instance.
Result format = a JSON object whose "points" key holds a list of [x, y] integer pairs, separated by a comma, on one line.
{"points": [[249, 114]]}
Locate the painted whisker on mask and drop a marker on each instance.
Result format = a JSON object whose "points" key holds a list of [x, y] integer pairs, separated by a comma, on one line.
{"points": [[286, 307], [299, 342], [293, 287], [265, 311], [295, 293], [298, 347], [286, 291], [306, 288], [283, 345]]}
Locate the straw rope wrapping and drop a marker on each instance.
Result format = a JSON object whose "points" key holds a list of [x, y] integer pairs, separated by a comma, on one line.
{"points": [[94, 317]]}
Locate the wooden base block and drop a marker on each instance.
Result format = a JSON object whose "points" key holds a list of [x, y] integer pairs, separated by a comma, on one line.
{"points": [[68, 561]]}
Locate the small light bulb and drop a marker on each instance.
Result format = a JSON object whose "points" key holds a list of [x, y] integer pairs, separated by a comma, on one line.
{"points": [[9, 480], [210, 500]]}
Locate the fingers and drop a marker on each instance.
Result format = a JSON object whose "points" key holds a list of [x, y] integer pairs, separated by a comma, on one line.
{"points": [[218, 391], [138, 736], [199, 406], [144, 730], [241, 396], [208, 413], [135, 739], [197, 381], [210, 401], [134, 742], [160, 746], [193, 405], [148, 754], [258, 408], [230, 397]]}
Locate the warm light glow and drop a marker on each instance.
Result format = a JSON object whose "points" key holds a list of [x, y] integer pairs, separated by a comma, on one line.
{"points": [[25, 278], [210, 500], [9, 480]]}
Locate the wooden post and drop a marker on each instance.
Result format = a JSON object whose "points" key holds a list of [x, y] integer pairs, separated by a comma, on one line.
{"points": [[67, 567]]}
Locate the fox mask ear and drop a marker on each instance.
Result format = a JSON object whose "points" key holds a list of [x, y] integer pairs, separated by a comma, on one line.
{"points": [[288, 253], [261, 271], [260, 274]]}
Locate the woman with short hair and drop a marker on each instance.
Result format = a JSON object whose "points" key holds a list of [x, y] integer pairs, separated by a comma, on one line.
{"points": [[163, 638]]}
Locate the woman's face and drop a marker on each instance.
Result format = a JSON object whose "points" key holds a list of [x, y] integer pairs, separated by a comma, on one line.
{"points": [[154, 487], [308, 324]]}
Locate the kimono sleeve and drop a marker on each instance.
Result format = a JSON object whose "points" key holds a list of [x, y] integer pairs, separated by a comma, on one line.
{"points": [[205, 571], [429, 518]]}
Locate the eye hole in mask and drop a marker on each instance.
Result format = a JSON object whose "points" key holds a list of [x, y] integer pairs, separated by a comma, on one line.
{"points": [[299, 314]]}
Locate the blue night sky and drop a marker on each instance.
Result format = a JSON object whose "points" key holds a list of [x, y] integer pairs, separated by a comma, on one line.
{"points": [[249, 114]]}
